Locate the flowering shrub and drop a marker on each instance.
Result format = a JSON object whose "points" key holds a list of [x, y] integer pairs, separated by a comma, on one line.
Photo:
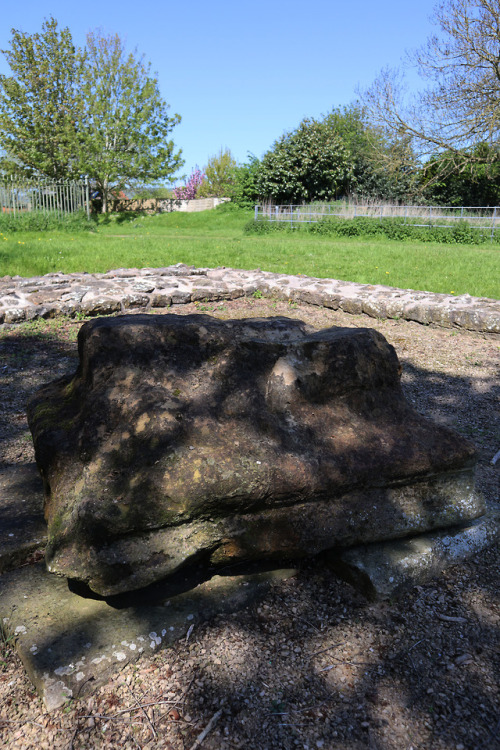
{"points": [[188, 191]]}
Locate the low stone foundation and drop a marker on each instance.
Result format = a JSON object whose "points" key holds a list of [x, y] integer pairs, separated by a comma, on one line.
{"points": [[124, 290]]}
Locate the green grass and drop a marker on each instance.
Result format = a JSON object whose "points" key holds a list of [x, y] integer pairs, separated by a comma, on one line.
{"points": [[42, 221], [216, 238]]}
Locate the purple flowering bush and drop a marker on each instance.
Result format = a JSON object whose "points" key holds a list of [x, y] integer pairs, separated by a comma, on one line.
{"points": [[188, 191]]}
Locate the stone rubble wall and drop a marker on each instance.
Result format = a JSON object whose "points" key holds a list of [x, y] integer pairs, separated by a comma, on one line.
{"points": [[124, 290]]}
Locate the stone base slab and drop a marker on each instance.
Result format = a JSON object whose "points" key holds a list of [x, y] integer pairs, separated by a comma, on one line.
{"points": [[387, 570], [69, 644]]}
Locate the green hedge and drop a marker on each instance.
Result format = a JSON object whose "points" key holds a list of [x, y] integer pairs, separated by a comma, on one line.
{"points": [[394, 229]]}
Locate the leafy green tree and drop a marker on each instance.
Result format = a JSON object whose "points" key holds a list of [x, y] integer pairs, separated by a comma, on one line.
{"points": [[68, 113], [225, 178], [145, 192], [40, 104], [246, 193], [451, 181], [306, 164], [382, 168], [219, 179], [341, 154], [125, 125]]}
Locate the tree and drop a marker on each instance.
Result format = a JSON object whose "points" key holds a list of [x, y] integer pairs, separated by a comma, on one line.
{"points": [[124, 125], [147, 192], [461, 106], [306, 164], [219, 179], [246, 193], [382, 168], [463, 184], [68, 113], [40, 104]]}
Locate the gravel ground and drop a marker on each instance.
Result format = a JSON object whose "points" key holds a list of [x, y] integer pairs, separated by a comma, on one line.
{"points": [[312, 665]]}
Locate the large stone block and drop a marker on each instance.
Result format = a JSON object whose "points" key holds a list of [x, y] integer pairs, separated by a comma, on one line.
{"points": [[183, 438]]}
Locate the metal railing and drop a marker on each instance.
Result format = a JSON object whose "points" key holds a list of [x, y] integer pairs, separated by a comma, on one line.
{"points": [[60, 198], [483, 218]]}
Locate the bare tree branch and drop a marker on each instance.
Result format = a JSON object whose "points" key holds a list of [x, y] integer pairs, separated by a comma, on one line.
{"points": [[460, 108]]}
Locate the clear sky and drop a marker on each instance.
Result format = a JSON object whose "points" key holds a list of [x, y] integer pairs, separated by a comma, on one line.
{"points": [[241, 73]]}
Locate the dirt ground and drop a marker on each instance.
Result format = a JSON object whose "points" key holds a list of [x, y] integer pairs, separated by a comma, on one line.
{"points": [[313, 664]]}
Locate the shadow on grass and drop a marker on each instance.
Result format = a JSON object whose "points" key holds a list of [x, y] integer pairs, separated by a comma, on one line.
{"points": [[124, 217]]}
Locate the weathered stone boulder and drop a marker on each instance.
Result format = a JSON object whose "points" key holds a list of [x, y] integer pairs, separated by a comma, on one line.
{"points": [[184, 438]]}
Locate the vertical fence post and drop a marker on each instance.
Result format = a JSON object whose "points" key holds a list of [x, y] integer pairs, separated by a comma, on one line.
{"points": [[13, 195], [493, 222]]}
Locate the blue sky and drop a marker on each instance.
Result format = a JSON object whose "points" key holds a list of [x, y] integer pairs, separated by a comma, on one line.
{"points": [[240, 74]]}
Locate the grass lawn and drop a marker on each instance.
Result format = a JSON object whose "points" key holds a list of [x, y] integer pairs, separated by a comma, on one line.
{"points": [[217, 238]]}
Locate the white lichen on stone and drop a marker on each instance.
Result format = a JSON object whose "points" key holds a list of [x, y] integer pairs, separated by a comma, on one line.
{"points": [[155, 639]]}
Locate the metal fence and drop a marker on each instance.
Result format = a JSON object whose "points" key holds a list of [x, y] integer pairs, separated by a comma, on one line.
{"points": [[19, 196], [483, 218]]}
